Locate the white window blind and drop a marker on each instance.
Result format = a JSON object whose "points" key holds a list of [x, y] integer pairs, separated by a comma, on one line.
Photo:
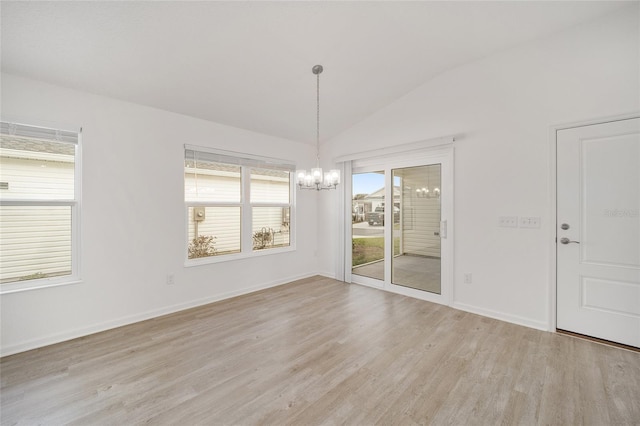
{"points": [[38, 133], [208, 155]]}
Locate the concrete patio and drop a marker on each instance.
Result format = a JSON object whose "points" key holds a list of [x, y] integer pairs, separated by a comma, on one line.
{"points": [[419, 272]]}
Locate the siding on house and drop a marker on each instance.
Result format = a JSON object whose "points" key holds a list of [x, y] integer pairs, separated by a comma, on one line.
{"points": [[34, 176], [220, 186], [36, 240], [420, 215], [274, 220], [224, 221]]}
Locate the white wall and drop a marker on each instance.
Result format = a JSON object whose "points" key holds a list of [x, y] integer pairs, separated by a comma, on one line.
{"points": [[133, 218], [504, 106]]}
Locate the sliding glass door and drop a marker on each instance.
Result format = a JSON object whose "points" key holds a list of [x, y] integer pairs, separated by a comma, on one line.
{"points": [[367, 224], [416, 231], [400, 209]]}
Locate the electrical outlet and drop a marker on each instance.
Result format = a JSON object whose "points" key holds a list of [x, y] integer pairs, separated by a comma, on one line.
{"points": [[530, 222], [171, 279], [508, 221], [468, 278]]}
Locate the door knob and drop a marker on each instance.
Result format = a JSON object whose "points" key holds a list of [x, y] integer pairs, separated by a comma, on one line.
{"points": [[565, 240]]}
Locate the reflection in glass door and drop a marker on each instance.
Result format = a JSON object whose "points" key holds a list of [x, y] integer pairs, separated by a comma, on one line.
{"points": [[367, 224], [416, 232]]}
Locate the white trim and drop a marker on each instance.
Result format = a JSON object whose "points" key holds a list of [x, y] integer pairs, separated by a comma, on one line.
{"points": [[417, 294], [327, 275], [443, 154], [20, 286], [553, 214], [340, 225], [189, 263], [514, 319], [246, 211], [43, 124], [400, 159], [242, 156], [36, 155], [553, 259], [30, 131], [75, 206], [388, 229], [76, 215], [501, 316], [131, 319], [399, 149], [367, 281], [346, 236], [36, 203], [594, 121]]}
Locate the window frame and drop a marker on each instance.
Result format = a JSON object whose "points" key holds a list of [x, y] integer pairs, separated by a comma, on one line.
{"points": [[75, 205], [246, 207]]}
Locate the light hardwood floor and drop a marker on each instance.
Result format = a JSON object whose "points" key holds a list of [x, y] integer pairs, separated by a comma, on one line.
{"points": [[318, 351]]}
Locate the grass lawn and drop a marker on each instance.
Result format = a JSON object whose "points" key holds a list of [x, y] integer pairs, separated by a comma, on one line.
{"points": [[367, 250]]}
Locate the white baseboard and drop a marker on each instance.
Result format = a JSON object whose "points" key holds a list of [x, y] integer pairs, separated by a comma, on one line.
{"points": [[327, 275], [131, 319], [527, 322], [119, 322]]}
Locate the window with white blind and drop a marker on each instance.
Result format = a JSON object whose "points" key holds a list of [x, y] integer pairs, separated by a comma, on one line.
{"points": [[39, 207], [237, 205]]}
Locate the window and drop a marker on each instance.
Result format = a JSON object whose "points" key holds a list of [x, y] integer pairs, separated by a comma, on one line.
{"points": [[39, 203], [236, 204]]}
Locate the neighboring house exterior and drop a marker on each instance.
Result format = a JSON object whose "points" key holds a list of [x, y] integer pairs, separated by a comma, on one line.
{"points": [[36, 240], [369, 202], [223, 222], [419, 211]]}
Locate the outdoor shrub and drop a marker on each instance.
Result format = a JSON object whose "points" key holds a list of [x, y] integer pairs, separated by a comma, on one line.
{"points": [[202, 246]]}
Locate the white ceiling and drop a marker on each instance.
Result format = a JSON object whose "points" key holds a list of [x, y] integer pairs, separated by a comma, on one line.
{"points": [[248, 64]]}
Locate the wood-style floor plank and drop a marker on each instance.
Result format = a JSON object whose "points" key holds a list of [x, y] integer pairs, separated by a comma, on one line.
{"points": [[318, 351]]}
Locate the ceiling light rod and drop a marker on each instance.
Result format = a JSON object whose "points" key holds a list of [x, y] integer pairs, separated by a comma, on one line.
{"points": [[314, 179]]}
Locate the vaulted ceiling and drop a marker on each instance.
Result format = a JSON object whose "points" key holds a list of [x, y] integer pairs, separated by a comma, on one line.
{"points": [[248, 64]]}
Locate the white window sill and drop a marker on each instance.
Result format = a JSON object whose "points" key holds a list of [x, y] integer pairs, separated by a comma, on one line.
{"points": [[237, 256], [20, 286]]}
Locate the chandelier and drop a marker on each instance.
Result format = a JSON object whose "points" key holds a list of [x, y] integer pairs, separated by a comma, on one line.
{"points": [[316, 179], [424, 191]]}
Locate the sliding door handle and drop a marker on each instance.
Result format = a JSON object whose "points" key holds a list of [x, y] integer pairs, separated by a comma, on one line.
{"points": [[443, 229]]}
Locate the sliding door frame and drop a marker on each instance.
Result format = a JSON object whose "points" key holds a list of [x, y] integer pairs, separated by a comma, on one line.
{"points": [[442, 154]]}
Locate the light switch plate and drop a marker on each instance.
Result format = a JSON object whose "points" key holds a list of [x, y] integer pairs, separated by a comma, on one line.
{"points": [[530, 222], [508, 221]]}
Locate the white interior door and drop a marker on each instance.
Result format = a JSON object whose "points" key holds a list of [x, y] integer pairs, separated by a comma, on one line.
{"points": [[598, 231]]}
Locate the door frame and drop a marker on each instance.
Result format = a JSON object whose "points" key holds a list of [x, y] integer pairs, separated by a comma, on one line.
{"points": [[553, 202], [438, 154]]}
